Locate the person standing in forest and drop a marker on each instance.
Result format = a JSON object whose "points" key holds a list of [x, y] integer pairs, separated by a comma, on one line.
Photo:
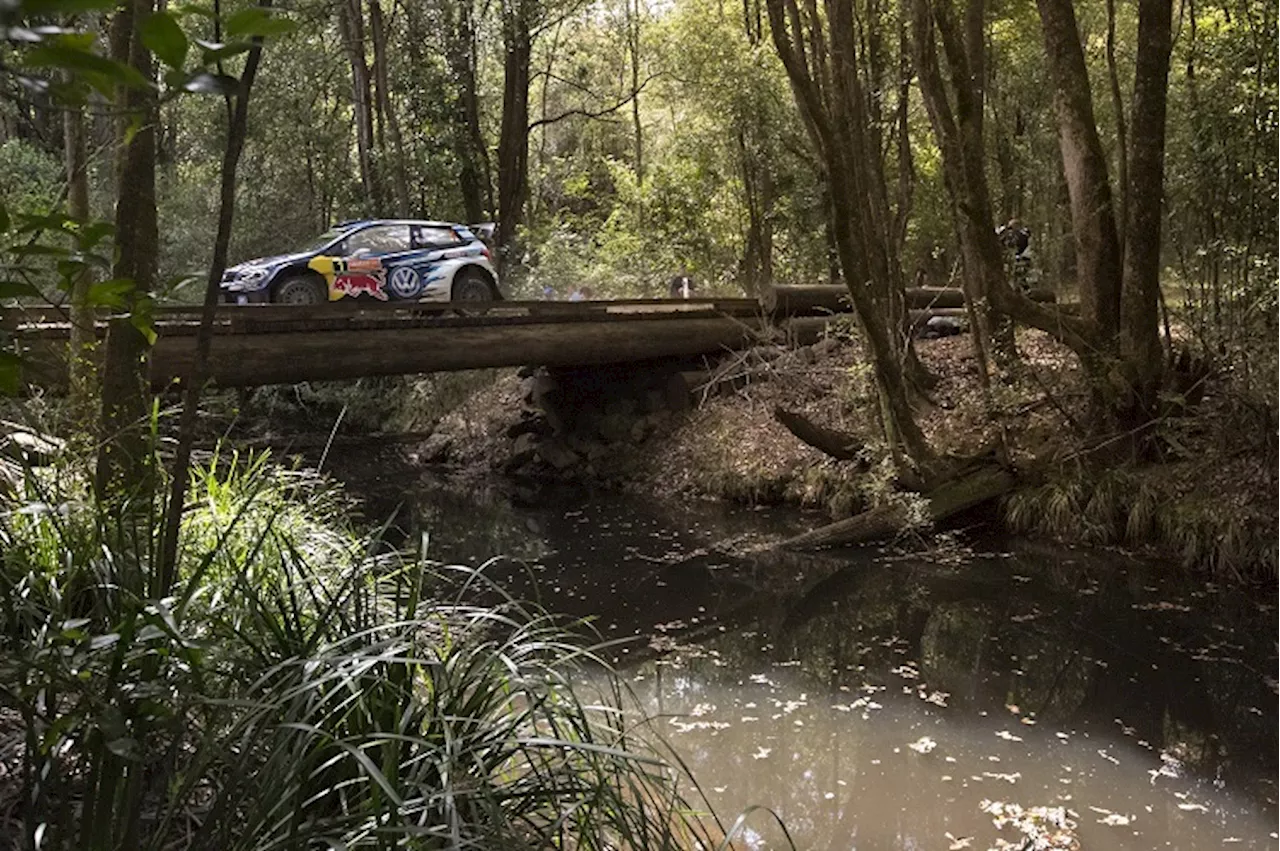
{"points": [[1016, 238]]}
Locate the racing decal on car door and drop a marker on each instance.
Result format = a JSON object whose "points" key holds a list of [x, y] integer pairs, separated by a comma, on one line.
{"points": [[405, 282], [352, 276]]}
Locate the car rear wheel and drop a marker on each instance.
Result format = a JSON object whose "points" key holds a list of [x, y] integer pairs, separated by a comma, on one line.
{"points": [[471, 285], [300, 289]]}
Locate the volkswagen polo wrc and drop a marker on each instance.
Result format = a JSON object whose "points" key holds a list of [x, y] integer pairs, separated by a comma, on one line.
{"points": [[375, 258]]}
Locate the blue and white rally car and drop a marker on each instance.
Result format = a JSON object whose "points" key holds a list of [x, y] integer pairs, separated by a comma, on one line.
{"points": [[384, 259]]}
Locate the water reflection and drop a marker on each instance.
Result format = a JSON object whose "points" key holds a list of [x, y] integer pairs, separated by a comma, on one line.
{"points": [[1144, 704]]}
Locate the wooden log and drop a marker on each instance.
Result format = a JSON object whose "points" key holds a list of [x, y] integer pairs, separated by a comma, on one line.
{"points": [[838, 444], [810, 299], [886, 521], [238, 360]]}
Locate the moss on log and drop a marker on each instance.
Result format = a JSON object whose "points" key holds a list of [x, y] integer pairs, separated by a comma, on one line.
{"points": [[959, 494]]}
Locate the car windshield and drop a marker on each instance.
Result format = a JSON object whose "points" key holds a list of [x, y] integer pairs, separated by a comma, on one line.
{"points": [[322, 240]]}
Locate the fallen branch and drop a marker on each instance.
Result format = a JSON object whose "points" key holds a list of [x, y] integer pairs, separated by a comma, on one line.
{"points": [[886, 521], [837, 444]]}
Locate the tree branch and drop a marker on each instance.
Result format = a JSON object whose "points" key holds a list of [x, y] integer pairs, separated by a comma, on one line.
{"points": [[588, 113]]}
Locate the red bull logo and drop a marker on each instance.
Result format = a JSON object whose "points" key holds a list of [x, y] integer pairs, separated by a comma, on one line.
{"points": [[356, 277]]}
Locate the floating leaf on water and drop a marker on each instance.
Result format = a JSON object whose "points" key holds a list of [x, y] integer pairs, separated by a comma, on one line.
{"points": [[1193, 807], [762, 753], [1008, 737], [958, 843], [937, 698], [1008, 778], [924, 744]]}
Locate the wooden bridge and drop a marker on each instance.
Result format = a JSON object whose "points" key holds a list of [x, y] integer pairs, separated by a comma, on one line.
{"points": [[282, 344], [257, 345]]}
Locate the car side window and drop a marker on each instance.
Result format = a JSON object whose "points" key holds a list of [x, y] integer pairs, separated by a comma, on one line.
{"points": [[377, 240], [425, 236]]}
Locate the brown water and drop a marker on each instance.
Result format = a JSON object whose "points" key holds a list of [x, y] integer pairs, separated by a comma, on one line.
{"points": [[876, 700]]}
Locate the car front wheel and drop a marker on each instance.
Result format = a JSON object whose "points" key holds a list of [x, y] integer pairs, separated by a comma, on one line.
{"points": [[300, 289]]}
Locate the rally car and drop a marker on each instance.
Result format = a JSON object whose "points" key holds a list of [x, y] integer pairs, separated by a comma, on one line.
{"points": [[384, 259]]}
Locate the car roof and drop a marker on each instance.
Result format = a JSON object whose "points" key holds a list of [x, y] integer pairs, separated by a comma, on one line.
{"points": [[355, 223]]}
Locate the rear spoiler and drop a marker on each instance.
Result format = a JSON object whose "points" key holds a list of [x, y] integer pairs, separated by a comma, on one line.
{"points": [[485, 230]]}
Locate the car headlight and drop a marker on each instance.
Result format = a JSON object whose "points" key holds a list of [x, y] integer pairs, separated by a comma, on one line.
{"points": [[245, 279]]}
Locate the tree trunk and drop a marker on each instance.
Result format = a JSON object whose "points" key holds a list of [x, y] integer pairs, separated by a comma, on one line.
{"points": [[837, 444], [820, 56], [1093, 222], [124, 462], [351, 26], [237, 129], [633, 48], [1139, 331], [82, 369], [382, 92], [513, 137], [474, 170]]}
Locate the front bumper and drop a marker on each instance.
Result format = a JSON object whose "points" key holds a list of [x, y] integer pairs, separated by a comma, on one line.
{"points": [[262, 296]]}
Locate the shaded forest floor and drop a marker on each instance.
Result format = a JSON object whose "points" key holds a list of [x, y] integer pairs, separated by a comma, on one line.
{"points": [[1210, 502]]}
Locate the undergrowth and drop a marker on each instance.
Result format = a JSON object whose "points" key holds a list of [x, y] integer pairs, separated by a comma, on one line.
{"points": [[299, 686], [1125, 507]]}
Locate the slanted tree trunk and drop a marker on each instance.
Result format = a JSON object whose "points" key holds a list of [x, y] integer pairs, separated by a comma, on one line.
{"points": [[839, 445], [124, 461], [889, 520], [1093, 221], [237, 108]]}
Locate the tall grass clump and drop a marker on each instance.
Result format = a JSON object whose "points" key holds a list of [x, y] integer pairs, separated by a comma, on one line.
{"points": [[297, 687], [1124, 507]]}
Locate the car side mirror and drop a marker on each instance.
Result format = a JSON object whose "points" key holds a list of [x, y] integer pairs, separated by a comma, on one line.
{"points": [[361, 252]]}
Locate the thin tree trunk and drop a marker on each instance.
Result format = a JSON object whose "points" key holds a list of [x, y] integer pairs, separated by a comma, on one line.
{"points": [[351, 26], [124, 461], [633, 47], [1117, 105], [820, 57], [237, 129], [513, 136], [386, 108], [82, 371]]}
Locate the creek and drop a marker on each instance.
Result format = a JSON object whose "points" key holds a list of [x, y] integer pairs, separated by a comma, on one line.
{"points": [[875, 700]]}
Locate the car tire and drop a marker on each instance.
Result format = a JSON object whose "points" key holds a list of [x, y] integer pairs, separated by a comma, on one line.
{"points": [[299, 289], [471, 285]]}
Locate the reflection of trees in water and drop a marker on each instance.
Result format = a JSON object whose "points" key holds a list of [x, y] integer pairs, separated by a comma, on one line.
{"points": [[1122, 650]]}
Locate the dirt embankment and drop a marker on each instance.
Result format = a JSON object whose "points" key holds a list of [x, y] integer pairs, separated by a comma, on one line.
{"points": [[729, 444], [1210, 502]]}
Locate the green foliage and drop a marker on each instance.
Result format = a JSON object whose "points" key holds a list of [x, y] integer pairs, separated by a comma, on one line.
{"points": [[294, 689]]}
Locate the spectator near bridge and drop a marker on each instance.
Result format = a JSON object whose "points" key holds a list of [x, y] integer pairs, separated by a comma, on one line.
{"points": [[681, 286]]}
